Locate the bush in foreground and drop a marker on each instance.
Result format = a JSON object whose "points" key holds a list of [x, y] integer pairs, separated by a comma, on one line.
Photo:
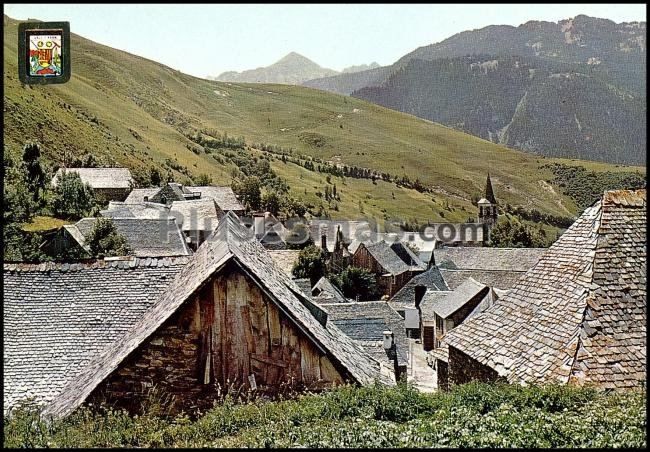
{"points": [[473, 415]]}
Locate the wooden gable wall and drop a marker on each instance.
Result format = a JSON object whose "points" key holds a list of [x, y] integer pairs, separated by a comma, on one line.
{"points": [[227, 332]]}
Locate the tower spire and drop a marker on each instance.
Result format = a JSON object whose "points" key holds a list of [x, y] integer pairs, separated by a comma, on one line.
{"points": [[489, 193]]}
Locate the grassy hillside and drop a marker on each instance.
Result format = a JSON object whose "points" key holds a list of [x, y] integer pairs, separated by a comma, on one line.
{"points": [[131, 111], [473, 415]]}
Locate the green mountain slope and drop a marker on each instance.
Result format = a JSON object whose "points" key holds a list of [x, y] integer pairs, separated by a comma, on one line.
{"points": [[131, 111], [517, 101], [607, 66]]}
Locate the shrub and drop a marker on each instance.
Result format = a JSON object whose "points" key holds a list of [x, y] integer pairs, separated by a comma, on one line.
{"points": [[72, 198], [104, 240]]}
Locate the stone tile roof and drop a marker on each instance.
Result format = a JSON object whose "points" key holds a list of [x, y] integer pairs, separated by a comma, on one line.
{"points": [[326, 292], [137, 195], [285, 259], [195, 215], [150, 210], [57, 316], [100, 177], [231, 241], [446, 306], [579, 315], [439, 353], [365, 322], [223, 196], [501, 279], [147, 237], [395, 258], [431, 279], [386, 257], [424, 243], [487, 258]]}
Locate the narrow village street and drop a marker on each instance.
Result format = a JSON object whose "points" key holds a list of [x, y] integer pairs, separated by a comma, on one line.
{"points": [[420, 373]]}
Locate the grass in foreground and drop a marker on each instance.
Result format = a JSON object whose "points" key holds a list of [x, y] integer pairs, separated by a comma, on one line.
{"points": [[473, 415]]}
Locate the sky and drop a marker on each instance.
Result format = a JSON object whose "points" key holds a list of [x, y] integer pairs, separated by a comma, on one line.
{"points": [[202, 39]]}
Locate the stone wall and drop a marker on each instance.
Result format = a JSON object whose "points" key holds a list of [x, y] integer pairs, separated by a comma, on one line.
{"points": [[111, 194], [442, 373], [463, 369], [166, 365]]}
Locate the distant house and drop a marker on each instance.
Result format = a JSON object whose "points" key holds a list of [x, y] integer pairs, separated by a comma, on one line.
{"points": [[150, 210], [496, 267], [228, 316], [146, 237], [407, 300], [268, 230], [394, 265], [377, 328], [422, 242], [326, 292], [223, 197], [197, 218], [324, 233], [578, 316], [441, 311], [108, 184]]}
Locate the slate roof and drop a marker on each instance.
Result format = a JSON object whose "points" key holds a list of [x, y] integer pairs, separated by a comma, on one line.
{"points": [[57, 316], [223, 196], [394, 258], [431, 279], [579, 315], [195, 215], [137, 195], [423, 242], [149, 210], [487, 258], [146, 237], [365, 322], [501, 279], [446, 306], [100, 177], [285, 259], [231, 241], [326, 292]]}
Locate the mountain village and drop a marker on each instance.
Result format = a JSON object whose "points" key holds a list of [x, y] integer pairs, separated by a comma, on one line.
{"points": [[435, 239], [207, 298]]}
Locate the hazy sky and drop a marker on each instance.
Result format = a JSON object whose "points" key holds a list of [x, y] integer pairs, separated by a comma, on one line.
{"points": [[201, 39]]}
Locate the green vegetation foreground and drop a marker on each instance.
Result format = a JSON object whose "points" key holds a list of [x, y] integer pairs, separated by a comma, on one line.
{"points": [[473, 415]]}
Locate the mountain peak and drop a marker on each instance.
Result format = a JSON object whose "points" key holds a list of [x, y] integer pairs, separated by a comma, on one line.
{"points": [[291, 69]]}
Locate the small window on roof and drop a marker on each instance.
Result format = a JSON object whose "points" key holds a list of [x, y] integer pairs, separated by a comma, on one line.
{"points": [[146, 198]]}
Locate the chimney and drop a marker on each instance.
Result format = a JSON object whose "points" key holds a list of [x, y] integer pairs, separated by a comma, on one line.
{"points": [[419, 294], [258, 225], [323, 242], [388, 340]]}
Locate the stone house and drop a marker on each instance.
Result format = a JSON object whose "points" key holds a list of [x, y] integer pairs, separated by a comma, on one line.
{"points": [[223, 197], [393, 265], [377, 328], [147, 237], [407, 300], [577, 317], [108, 184], [441, 311], [227, 316], [197, 218]]}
